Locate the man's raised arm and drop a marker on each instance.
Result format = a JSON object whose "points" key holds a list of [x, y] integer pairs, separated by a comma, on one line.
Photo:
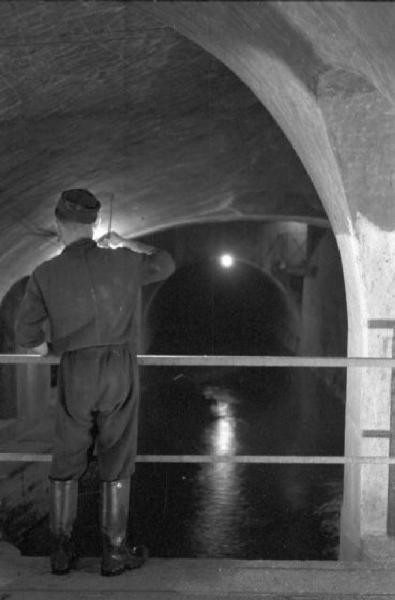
{"points": [[157, 263]]}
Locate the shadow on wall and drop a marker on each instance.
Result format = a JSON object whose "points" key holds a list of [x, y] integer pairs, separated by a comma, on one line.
{"points": [[205, 308], [324, 307], [8, 310]]}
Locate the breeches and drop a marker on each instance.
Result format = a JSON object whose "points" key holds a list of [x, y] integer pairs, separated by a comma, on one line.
{"points": [[98, 396]]}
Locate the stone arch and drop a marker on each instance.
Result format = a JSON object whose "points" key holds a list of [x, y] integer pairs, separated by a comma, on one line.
{"points": [[270, 68], [279, 64]]}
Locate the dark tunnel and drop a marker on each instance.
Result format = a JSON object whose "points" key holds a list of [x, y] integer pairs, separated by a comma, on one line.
{"points": [[206, 308]]}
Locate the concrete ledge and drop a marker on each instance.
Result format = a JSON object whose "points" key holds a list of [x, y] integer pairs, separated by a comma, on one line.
{"points": [[25, 577], [379, 549]]}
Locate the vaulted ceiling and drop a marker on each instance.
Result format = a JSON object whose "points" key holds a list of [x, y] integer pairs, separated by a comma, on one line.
{"points": [[112, 97]]}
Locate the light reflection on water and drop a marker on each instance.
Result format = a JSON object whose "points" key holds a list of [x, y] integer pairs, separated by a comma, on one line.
{"points": [[273, 512], [222, 437], [220, 487], [250, 510]]}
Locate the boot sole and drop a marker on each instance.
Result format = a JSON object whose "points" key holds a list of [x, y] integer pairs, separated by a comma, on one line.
{"points": [[113, 573], [72, 565], [61, 572]]}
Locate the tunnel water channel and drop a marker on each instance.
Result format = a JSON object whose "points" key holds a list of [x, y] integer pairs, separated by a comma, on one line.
{"points": [[250, 511]]}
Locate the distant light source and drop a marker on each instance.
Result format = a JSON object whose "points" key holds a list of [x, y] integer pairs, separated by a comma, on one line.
{"points": [[226, 260]]}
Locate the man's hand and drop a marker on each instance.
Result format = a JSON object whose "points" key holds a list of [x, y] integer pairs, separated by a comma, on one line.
{"points": [[111, 240], [42, 349], [114, 240]]}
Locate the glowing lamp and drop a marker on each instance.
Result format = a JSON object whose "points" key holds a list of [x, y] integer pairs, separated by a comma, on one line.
{"points": [[226, 261]]}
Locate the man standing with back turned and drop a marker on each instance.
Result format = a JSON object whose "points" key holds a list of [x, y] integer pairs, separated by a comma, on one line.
{"points": [[84, 302]]}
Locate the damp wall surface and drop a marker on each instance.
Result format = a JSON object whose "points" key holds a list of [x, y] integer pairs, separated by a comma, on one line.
{"points": [[324, 309], [8, 373]]}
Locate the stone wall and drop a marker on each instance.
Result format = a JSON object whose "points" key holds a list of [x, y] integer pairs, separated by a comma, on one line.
{"points": [[324, 309]]}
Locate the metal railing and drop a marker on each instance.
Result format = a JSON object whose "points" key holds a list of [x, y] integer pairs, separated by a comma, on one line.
{"points": [[208, 360], [224, 361]]}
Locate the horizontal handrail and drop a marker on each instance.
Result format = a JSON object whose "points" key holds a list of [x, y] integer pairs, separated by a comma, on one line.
{"points": [[26, 456], [221, 361], [150, 360]]}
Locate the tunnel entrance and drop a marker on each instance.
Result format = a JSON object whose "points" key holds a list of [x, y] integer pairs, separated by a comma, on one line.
{"points": [[221, 339], [213, 308], [230, 510]]}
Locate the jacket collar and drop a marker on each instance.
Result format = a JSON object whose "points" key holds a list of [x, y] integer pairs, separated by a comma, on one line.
{"points": [[81, 243]]}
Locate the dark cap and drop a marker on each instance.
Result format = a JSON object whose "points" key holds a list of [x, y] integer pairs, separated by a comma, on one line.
{"points": [[77, 206]]}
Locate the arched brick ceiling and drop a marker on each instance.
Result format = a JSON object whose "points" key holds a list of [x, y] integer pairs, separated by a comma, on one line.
{"points": [[100, 94], [109, 95], [326, 71]]}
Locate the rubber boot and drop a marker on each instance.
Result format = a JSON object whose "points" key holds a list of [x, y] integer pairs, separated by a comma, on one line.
{"points": [[63, 511], [114, 520]]}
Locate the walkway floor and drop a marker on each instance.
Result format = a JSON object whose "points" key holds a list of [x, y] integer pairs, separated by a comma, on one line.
{"points": [[26, 578]]}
